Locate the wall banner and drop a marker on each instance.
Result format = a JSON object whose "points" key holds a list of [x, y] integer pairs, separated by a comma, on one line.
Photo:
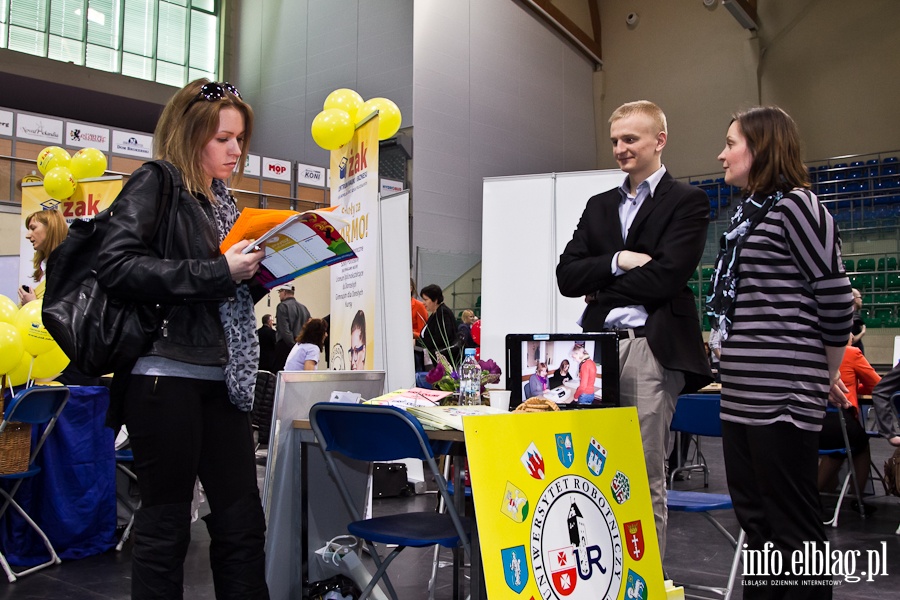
{"points": [[81, 135], [132, 144], [354, 188], [40, 129], [563, 505], [90, 197], [6, 121]]}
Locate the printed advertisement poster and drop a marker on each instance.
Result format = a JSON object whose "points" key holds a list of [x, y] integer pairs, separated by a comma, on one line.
{"points": [[564, 510], [90, 197], [354, 188]]}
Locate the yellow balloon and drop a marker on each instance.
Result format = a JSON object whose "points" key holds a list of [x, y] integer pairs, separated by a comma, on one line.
{"points": [[344, 99], [389, 117], [11, 347], [87, 163], [19, 374], [35, 336], [332, 128], [8, 310], [59, 183], [49, 364], [52, 157]]}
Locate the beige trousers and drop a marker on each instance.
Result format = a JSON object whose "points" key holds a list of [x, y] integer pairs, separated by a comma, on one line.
{"points": [[653, 389]]}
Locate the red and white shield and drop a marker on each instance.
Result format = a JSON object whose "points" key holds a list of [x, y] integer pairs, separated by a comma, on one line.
{"points": [[634, 539], [563, 570]]}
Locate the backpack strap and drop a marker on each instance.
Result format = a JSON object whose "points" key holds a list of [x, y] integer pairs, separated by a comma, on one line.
{"points": [[171, 192]]}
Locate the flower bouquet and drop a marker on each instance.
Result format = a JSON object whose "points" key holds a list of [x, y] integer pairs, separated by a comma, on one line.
{"points": [[444, 376]]}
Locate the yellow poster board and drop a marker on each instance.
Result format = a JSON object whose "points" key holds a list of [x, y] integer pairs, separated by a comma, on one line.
{"points": [[354, 189], [563, 506]]}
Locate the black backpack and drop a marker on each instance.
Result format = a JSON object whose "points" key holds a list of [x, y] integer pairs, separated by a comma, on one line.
{"points": [[99, 333]]}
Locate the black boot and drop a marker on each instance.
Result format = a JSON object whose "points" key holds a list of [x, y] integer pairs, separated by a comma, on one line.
{"points": [[237, 550], [161, 537]]}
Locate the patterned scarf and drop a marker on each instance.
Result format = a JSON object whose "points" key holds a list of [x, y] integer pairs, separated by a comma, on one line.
{"points": [[238, 317], [720, 303]]}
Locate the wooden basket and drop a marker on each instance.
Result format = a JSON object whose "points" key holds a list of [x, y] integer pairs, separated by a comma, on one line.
{"points": [[15, 447]]}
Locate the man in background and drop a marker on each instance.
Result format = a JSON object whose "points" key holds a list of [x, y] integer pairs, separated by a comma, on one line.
{"points": [[290, 317], [631, 256], [266, 335]]}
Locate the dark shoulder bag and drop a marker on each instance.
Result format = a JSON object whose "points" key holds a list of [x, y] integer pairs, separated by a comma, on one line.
{"points": [[98, 332]]}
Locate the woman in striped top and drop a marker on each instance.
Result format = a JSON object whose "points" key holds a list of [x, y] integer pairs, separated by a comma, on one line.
{"points": [[783, 307]]}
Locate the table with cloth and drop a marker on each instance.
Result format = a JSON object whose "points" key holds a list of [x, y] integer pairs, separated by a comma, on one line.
{"points": [[73, 498]]}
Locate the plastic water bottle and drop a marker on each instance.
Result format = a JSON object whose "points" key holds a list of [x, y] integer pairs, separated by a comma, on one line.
{"points": [[470, 380]]}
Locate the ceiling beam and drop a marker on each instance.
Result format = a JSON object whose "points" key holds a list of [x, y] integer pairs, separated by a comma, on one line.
{"points": [[744, 11], [567, 28]]}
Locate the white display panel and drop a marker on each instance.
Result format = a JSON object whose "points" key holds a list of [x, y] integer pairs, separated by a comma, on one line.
{"points": [[527, 222], [573, 190], [517, 282]]}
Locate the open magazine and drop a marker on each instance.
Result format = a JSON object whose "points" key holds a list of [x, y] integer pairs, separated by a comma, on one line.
{"points": [[294, 243]]}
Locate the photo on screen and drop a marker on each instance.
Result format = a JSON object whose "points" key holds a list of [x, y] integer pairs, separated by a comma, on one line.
{"points": [[573, 370]]}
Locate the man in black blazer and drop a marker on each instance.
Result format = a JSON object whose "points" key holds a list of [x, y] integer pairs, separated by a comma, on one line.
{"points": [[631, 256]]}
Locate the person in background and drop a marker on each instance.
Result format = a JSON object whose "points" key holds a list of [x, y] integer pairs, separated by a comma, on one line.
{"points": [[631, 257], [561, 375], [440, 334], [419, 318], [860, 378], [305, 354], [782, 303], [886, 421], [358, 342], [465, 329], [290, 317], [537, 383], [45, 229], [266, 335], [587, 375], [858, 329], [187, 398]]}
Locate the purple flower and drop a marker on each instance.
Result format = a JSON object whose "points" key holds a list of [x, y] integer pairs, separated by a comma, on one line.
{"points": [[435, 374], [490, 366]]}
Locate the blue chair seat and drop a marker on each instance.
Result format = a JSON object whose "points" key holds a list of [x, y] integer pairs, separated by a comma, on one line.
{"points": [[681, 501], [30, 472], [424, 530]]}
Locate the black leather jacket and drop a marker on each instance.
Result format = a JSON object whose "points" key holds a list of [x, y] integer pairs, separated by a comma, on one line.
{"points": [[178, 296]]}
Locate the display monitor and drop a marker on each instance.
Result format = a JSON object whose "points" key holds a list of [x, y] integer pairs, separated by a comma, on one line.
{"points": [[582, 369]]}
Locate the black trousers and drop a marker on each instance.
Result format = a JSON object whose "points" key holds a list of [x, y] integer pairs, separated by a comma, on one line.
{"points": [[771, 472], [184, 428]]}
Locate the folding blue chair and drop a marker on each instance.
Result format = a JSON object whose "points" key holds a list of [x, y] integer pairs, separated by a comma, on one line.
{"points": [[698, 414], [34, 405], [382, 433], [694, 416]]}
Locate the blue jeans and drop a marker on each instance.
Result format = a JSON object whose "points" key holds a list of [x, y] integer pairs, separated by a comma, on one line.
{"points": [[586, 399]]}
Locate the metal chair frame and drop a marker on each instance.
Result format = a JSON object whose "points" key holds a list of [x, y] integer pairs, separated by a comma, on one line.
{"points": [[849, 478], [35, 405], [380, 433], [698, 415]]}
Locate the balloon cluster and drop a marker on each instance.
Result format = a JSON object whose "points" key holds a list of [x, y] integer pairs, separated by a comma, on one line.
{"points": [[343, 109], [27, 351], [61, 171]]}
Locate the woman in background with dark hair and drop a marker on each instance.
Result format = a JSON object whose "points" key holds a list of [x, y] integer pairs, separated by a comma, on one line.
{"points": [[187, 399], [440, 334], [305, 354], [783, 307], [561, 375]]}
